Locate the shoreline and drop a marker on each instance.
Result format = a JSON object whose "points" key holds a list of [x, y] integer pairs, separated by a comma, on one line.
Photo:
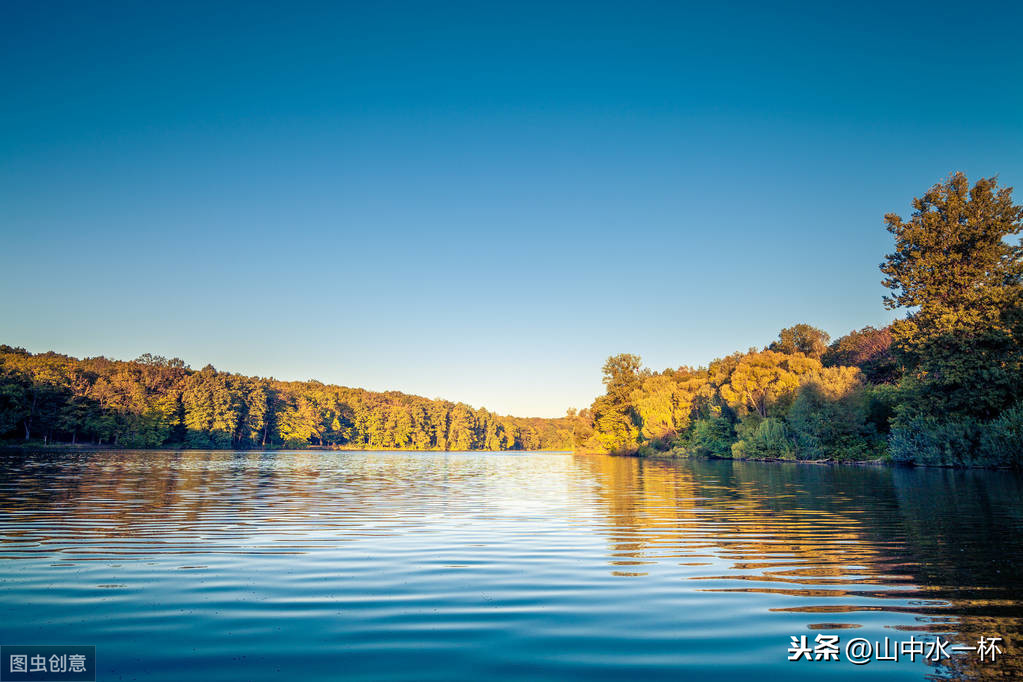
{"points": [[879, 462], [68, 447]]}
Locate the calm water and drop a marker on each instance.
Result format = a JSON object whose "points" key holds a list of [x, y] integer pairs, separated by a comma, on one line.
{"points": [[434, 566]]}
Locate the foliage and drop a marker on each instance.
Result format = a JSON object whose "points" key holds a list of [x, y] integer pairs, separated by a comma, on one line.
{"points": [[764, 382], [933, 388], [882, 401], [664, 406], [869, 349], [1001, 440], [830, 416], [622, 375], [961, 440], [952, 441], [613, 426], [802, 338], [614, 415], [956, 265], [943, 385], [712, 437], [768, 440], [154, 402], [740, 407]]}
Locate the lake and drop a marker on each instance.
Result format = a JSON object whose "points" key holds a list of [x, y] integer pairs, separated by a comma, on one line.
{"points": [[479, 566]]}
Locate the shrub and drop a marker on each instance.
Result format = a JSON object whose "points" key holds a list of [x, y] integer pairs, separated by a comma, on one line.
{"points": [[945, 442], [770, 439], [1001, 441], [830, 416], [712, 437]]}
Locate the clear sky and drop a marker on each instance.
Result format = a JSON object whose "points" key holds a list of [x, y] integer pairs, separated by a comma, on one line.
{"points": [[476, 201]]}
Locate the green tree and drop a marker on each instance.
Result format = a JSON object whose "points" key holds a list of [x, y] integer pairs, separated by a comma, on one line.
{"points": [[958, 266], [212, 410], [802, 338], [766, 438], [829, 416], [712, 436]]}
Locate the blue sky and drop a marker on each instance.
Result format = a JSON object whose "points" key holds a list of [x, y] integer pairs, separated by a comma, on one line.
{"points": [[476, 201]]}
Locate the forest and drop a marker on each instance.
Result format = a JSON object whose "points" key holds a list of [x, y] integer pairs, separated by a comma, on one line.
{"points": [[942, 385], [155, 402]]}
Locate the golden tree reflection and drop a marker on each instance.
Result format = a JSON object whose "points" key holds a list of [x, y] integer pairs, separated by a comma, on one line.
{"points": [[933, 545]]}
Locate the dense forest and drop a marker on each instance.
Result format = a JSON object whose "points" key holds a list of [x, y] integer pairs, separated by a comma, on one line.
{"points": [[943, 385], [155, 402]]}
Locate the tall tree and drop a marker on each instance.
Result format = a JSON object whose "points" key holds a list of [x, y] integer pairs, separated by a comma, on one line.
{"points": [[614, 416], [958, 265], [622, 376], [802, 338]]}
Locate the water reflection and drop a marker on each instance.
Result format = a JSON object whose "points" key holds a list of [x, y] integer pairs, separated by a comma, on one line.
{"points": [[941, 546], [456, 566]]}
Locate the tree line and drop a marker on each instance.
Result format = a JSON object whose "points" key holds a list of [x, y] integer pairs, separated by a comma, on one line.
{"points": [[942, 385], [156, 402]]}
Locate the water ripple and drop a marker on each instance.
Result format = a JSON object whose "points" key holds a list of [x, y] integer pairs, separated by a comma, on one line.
{"points": [[455, 566]]}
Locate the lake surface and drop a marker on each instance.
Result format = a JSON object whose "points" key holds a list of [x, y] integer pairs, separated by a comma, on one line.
{"points": [[464, 566]]}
